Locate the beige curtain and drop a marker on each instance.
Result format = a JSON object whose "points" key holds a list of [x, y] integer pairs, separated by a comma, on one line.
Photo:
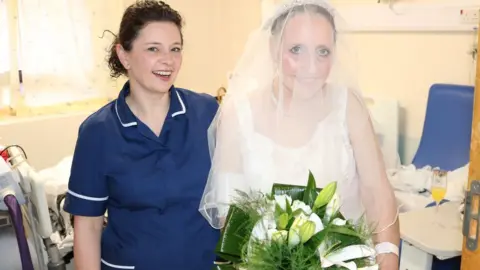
{"points": [[4, 59], [61, 50]]}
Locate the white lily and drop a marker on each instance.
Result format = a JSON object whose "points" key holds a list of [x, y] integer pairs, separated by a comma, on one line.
{"points": [[301, 205], [261, 230], [322, 249], [264, 230], [281, 200], [279, 236], [353, 266], [313, 218], [349, 265], [332, 207], [302, 231], [268, 209], [317, 221], [339, 257], [339, 222]]}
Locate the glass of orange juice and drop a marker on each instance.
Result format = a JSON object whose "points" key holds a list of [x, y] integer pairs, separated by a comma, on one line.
{"points": [[439, 186]]}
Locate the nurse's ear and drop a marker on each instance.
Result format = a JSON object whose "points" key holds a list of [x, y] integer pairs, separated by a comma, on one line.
{"points": [[122, 56]]}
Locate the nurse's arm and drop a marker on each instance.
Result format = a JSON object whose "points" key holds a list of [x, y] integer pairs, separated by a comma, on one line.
{"points": [[87, 231], [87, 195]]}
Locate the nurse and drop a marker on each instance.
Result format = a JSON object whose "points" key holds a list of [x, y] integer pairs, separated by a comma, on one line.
{"points": [[144, 157]]}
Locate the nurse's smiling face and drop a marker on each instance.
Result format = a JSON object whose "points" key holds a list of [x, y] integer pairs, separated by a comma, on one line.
{"points": [[155, 58]]}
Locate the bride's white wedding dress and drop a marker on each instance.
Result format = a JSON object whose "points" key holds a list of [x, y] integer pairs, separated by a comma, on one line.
{"points": [[328, 154], [287, 114]]}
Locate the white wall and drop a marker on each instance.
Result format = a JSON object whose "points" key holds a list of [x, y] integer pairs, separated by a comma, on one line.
{"points": [[46, 140]]}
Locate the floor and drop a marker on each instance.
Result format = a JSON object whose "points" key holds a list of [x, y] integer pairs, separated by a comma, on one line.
{"points": [[9, 255]]}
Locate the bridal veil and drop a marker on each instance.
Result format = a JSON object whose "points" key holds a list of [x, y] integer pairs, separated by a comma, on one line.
{"points": [[290, 75]]}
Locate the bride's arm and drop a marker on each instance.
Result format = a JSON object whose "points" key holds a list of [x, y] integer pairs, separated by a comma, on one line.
{"points": [[376, 192]]}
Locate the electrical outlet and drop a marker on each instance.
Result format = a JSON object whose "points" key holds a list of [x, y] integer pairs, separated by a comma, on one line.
{"points": [[470, 16]]}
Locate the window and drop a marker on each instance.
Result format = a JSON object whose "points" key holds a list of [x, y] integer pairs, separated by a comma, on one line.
{"points": [[4, 40], [60, 52], [55, 51], [4, 57]]}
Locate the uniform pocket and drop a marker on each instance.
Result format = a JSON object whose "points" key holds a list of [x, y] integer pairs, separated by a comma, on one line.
{"points": [[118, 257]]}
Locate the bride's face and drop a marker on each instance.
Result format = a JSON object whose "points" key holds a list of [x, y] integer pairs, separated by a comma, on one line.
{"points": [[305, 52]]}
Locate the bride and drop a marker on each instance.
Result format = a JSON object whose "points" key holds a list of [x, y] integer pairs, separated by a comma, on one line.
{"points": [[291, 109]]}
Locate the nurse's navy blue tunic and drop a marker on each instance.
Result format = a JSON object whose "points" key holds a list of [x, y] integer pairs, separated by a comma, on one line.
{"points": [[151, 185]]}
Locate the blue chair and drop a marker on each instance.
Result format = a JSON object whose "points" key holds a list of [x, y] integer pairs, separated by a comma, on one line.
{"points": [[447, 128]]}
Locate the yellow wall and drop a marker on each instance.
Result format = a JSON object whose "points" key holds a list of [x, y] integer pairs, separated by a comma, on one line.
{"points": [[215, 34], [404, 65]]}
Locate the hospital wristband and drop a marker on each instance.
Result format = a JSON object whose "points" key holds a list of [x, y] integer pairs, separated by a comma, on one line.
{"points": [[386, 247]]}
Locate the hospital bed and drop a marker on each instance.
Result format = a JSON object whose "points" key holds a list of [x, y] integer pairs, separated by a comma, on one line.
{"points": [[50, 228]]}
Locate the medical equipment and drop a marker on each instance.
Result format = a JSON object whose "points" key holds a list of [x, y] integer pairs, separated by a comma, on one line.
{"points": [[11, 198], [31, 187], [4, 220]]}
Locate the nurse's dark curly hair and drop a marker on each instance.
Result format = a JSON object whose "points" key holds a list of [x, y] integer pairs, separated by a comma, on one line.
{"points": [[134, 19]]}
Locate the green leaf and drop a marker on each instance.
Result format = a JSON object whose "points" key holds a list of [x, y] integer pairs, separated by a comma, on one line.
{"points": [[343, 241], [325, 195], [310, 193], [278, 210], [289, 207], [333, 247], [317, 239], [320, 211], [295, 192], [290, 223], [298, 212], [234, 235], [345, 230]]}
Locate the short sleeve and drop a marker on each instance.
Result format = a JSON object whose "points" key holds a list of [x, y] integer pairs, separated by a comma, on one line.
{"points": [[87, 188], [209, 108]]}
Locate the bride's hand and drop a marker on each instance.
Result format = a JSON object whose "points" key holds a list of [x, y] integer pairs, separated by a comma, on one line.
{"points": [[388, 261]]}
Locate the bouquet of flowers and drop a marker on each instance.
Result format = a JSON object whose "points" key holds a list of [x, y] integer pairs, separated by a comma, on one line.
{"points": [[294, 227]]}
